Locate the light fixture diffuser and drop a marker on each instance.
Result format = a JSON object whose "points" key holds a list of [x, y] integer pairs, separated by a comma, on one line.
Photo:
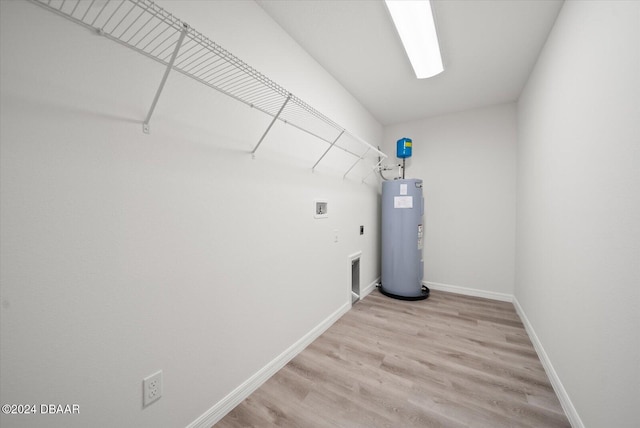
{"points": [[415, 25]]}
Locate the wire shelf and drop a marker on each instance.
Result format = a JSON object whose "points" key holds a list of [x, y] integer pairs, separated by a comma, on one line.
{"points": [[143, 26]]}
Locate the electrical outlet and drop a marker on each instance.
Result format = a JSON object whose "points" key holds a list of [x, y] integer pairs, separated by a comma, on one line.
{"points": [[151, 388]]}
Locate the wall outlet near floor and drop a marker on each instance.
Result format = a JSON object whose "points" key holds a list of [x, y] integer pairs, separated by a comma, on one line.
{"points": [[151, 388]]}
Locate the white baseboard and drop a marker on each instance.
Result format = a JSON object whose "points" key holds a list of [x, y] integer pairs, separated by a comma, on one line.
{"points": [[565, 401], [364, 292], [224, 406], [504, 297], [563, 397]]}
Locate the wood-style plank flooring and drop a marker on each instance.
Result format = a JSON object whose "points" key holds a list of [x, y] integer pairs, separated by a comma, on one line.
{"points": [[449, 361]]}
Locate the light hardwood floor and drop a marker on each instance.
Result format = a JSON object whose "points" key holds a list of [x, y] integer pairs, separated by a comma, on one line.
{"points": [[449, 361]]}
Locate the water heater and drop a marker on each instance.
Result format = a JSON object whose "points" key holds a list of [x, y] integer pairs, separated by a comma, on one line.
{"points": [[402, 239]]}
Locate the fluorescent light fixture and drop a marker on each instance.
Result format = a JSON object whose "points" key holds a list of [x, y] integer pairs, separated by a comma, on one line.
{"points": [[414, 21]]}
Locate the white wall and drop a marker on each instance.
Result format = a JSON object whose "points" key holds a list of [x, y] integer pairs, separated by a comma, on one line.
{"points": [[578, 231], [467, 161], [124, 253]]}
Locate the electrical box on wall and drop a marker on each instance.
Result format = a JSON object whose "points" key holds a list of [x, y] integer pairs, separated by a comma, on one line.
{"points": [[321, 208]]}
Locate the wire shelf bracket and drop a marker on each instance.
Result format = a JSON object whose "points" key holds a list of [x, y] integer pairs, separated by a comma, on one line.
{"points": [[150, 30], [145, 124], [355, 163], [253, 152], [313, 168]]}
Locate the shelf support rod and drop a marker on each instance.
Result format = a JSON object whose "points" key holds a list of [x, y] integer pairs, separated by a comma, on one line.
{"points": [[327, 151], [356, 163], [183, 33], [253, 152], [372, 170]]}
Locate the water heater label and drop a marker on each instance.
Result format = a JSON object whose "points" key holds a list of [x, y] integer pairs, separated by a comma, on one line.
{"points": [[420, 237], [403, 189], [403, 202]]}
